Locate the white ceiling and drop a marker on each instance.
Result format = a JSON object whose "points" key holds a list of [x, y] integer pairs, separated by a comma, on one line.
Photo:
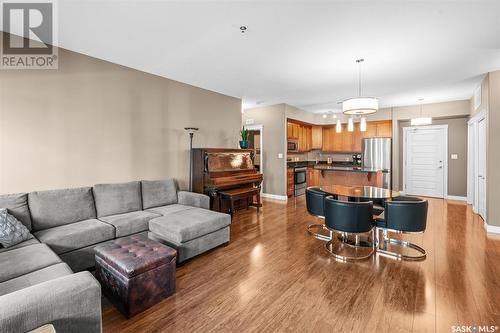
{"points": [[298, 52]]}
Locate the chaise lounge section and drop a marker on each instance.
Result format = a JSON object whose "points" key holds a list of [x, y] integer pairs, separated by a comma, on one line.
{"points": [[38, 288]]}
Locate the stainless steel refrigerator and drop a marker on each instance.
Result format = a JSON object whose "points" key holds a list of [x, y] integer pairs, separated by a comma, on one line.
{"points": [[377, 154]]}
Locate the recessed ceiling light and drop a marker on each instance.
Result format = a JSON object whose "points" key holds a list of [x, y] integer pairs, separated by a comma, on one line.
{"points": [[324, 116]]}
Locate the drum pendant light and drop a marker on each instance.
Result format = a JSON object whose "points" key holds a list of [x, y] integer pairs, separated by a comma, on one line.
{"points": [[360, 105]]}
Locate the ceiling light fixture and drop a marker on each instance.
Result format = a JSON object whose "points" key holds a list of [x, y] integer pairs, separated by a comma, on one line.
{"points": [[421, 121], [360, 105], [338, 127], [362, 124], [350, 125], [324, 116]]}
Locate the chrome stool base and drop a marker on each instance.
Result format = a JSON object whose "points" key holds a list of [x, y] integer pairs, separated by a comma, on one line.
{"points": [[317, 235], [382, 248], [357, 244], [402, 244]]}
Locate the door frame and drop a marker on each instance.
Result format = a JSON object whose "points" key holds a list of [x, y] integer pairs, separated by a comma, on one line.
{"points": [[445, 162], [473, 161], [259, 128]]}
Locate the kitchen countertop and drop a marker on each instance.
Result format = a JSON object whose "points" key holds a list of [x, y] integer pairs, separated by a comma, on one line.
{"points": [[292, 164], [346, 169]]}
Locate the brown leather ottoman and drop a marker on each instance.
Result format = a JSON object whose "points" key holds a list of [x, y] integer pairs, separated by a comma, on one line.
{"points": [[135, 272]]}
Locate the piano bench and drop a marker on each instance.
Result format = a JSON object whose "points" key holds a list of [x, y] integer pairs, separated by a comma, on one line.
{"points": [[239, 194]]}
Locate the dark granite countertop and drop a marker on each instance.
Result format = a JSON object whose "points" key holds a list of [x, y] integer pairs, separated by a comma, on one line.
{"points": [[346, 169], [293, 164]]}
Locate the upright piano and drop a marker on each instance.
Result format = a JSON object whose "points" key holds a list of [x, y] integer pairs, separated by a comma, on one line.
{"points": [[218, 169]]}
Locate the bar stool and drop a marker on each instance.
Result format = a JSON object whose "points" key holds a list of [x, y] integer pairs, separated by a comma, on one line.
{"points": [[403, 215], [315, 203], [349, 218]]}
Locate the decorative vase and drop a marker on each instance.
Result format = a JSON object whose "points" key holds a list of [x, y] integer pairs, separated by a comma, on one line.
{"points": [[243, 144]]}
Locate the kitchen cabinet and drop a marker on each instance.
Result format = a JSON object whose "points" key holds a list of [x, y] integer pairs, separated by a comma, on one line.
{"points": [[316, 137], [351, 142], [309, 138], [312, 176], [302, 133], [289, 130], [326, 138], [384, 128], [293, 130], [371, 130], [357, 137], [289, 182]]}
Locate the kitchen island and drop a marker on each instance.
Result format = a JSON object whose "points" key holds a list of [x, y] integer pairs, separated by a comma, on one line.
{"points": [[350, 176]]}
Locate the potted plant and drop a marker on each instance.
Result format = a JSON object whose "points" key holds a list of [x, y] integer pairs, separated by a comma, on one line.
{"points": [[244, 138]]}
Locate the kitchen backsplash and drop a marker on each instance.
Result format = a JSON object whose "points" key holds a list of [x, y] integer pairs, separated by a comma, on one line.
{"points": [[316, 154]]}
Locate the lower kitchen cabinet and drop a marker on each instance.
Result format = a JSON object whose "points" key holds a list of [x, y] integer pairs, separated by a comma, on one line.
{"points": [[312, 176], [289, 182]]}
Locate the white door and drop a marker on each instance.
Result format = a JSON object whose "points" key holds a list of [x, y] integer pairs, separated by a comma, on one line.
{"points": [[425, 158], [481, 168]]}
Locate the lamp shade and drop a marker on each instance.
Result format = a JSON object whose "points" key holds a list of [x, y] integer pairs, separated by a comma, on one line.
{"points": [[338, 127], [362, 125], [360, 105], [350, 125]]}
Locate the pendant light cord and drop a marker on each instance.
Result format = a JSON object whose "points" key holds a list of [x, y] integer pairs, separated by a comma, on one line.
{"points": [[359, 61]]}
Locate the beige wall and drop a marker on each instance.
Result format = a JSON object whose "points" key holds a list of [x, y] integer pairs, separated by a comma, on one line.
{"points": [[92, 121], [272, 119], [493, 150], [453, 109], [457, 144]]}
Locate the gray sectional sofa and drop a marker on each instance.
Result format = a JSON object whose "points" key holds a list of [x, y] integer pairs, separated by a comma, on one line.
{"points": [[37, 280]]}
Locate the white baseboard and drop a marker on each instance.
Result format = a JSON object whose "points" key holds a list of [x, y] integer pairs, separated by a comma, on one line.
{"points": [[491, 229], [456, 197], [274, 196]]}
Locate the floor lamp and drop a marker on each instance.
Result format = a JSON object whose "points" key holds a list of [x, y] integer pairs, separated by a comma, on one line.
{"points": [[191, 131]]}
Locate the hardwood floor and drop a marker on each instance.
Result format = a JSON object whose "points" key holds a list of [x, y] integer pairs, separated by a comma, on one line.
{"points": [[274, 277]]}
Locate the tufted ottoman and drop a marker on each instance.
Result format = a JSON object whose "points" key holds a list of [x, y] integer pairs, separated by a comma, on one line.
{"points": [[135, 272]]}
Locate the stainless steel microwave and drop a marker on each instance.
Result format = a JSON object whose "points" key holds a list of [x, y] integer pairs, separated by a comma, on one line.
{"points": [[292, 146]]}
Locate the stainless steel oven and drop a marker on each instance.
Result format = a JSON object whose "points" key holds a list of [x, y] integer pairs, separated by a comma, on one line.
{"points": [[300, 180], [292, 146]]}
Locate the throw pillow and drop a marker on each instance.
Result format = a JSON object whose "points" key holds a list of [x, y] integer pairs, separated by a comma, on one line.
{"points": [[12, 231]]}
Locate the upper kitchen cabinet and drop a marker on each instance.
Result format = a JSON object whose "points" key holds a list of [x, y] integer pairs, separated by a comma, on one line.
{"points": [[302, 133], [384, 128], [350, 142], [317, 137], [293, 130]]}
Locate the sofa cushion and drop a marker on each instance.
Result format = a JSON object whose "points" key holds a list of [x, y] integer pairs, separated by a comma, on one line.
{"points": [[76, 235], [112, 199], [185, 225], [17, 205], [129, 223], [169, 209], [157, 193], [31, 240], [25, 260], [12, 231], [36, 277], [59, 207]]}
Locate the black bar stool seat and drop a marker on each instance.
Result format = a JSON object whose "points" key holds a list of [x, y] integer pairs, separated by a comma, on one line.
{"points": [[349, 218]]}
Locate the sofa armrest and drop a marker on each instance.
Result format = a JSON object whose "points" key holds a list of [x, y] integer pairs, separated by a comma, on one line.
{"points": [[193, 199], [71, 303]]}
